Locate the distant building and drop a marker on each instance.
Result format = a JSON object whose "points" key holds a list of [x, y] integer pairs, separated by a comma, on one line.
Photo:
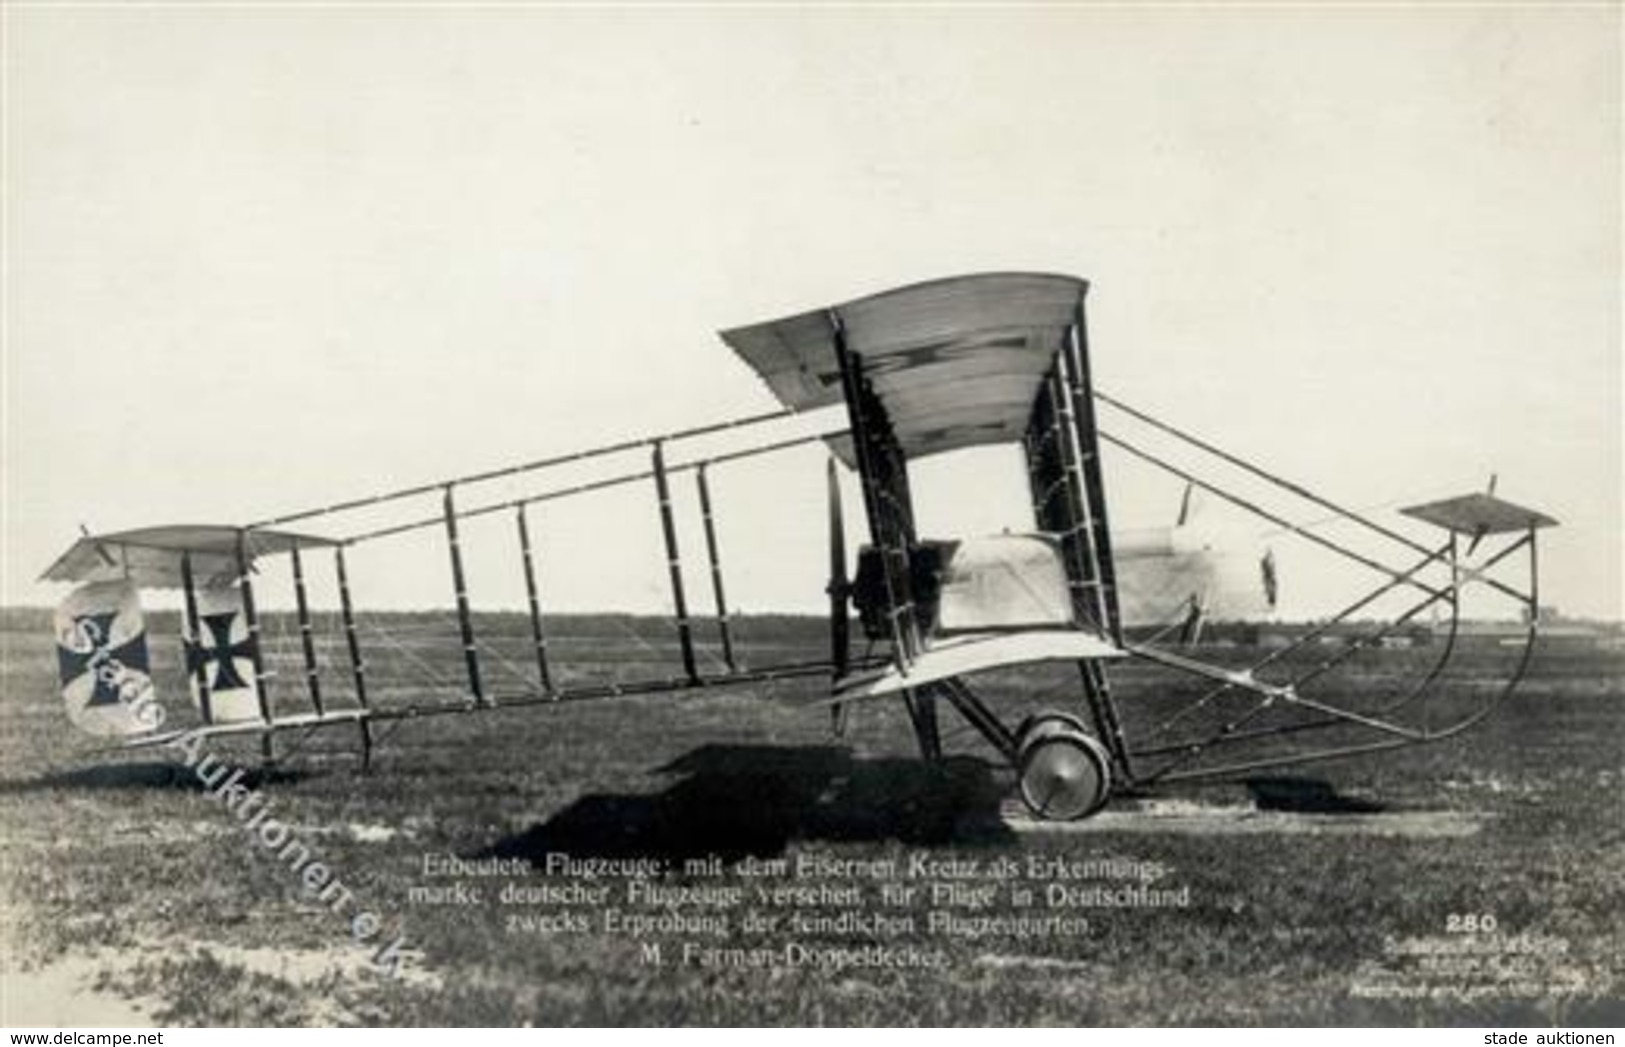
{"points": [[1277, 635], [1556, 630]]}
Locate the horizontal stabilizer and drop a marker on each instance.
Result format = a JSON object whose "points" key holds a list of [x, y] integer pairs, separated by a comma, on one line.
{"points": [[151, 556], [1478, 515]]}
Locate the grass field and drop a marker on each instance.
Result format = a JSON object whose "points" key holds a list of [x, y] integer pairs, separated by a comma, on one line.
{"points": [[128, 886]]}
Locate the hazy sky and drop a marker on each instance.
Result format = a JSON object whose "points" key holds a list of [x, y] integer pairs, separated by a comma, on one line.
{"points": [[260, 258]]}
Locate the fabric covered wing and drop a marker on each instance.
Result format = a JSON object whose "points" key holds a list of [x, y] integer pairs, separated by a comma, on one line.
{"points": [[954, 362]]}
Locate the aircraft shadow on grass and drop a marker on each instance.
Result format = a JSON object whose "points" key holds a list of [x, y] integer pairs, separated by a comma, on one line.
{"points": [[734, 801], [147, 775], [1307, 796]]}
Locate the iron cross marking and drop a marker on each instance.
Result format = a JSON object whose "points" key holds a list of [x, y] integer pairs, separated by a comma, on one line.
{"points": [[107, 663], [223, 653]]}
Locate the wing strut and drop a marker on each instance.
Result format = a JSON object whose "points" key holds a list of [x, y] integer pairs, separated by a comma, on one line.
{"points": [[358, 667], [674, 563], [465, 621], [724, 631], [538, 635]]}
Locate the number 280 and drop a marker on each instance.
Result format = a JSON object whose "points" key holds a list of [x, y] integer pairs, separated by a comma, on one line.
{"points": [[1470, 923]]}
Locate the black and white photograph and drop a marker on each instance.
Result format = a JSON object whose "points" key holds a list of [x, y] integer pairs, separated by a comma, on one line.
{"points": [[784, 515]]}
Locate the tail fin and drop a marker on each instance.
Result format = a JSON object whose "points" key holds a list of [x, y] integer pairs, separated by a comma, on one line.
{"points": [[102, 661]]}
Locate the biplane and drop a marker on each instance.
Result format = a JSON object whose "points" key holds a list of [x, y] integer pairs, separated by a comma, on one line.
{"points": [[934, 622]]}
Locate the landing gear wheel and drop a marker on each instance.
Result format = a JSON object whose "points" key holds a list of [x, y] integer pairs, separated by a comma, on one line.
{"points": [[1050, 716], [1063, 773]]}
